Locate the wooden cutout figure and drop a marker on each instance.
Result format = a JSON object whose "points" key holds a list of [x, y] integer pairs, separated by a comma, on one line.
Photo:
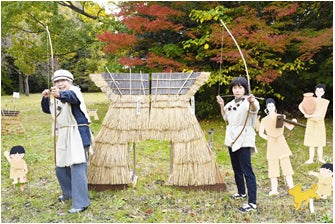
{"points": [[315, 134], [93, 113], [325, 182], [299, 196], [278, 152], [18, 167]]}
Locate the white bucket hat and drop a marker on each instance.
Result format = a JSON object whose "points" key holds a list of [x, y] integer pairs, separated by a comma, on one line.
{"points": [[63, 74]]}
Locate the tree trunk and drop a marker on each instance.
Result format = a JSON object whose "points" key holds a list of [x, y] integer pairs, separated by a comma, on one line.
{"points": [[20, 83], [26, 85]]}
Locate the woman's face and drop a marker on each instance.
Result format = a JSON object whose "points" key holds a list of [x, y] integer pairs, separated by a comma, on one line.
{"points": [[238, 91], [63, 84]]}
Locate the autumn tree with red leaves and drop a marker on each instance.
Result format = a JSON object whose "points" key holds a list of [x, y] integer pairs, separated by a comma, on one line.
{"points": [[150, 37], [282, 43]]}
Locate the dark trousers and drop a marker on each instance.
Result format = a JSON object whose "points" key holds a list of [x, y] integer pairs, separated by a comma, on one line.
{"points": [[241, 163]]}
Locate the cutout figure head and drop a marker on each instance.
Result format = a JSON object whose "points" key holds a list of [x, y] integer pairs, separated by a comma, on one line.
{"points": [[17, 152]]}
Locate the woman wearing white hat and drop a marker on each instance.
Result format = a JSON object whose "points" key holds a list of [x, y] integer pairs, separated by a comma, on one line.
{"points": [[74, 138]]}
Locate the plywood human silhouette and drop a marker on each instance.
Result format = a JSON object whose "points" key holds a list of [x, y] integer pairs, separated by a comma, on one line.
{"points": [[278, 152], [325, 180], [315, 134], [18, 167]]}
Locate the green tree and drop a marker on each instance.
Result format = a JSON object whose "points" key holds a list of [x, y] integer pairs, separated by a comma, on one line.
{"points": [[278, 44], [23, 36], [73, 27]]}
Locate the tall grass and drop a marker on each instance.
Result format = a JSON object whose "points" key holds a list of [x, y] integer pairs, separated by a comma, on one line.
{"points": [[151, 200]]}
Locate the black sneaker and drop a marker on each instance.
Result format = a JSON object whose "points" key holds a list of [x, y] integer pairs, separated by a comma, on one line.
{"points": [[250, 207], [238, 196]]}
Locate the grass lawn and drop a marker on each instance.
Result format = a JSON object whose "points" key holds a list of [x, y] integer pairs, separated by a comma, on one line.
{"points": [[151, 200]]}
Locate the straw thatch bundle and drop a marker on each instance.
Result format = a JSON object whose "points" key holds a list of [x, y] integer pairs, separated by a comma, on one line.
{"points": [[123, 113], [117, 169], [194, 165], [165, 114], [11, 122]]}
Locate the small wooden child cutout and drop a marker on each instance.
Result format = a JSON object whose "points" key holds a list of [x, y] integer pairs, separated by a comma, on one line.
{"points": [[303, 197], [93, 112], [325, 182], [18, 167]]}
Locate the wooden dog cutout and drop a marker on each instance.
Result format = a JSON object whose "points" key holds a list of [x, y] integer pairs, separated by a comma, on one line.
{"points": [[299, 197]]}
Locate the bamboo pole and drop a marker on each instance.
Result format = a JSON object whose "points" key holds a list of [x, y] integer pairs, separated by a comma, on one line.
{"points": [[110, 74], [185, 82], [54, 100]]}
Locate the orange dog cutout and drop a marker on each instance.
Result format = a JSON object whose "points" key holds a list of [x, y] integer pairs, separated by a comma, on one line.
{"points": [[299, 197]]}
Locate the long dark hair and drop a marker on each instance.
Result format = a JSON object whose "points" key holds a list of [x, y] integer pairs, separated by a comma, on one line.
{"points": [[240, 81]]}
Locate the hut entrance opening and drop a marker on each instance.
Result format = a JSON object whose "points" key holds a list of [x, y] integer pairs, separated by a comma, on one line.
{"points": [[150, 158], [152, 107]]}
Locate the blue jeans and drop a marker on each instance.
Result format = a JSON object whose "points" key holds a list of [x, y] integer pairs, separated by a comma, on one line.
{"points": [[73, 182], [241, 163]]}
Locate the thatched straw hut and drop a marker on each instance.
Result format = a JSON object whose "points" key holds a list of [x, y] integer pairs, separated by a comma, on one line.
{"points": [[155, 107]]}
